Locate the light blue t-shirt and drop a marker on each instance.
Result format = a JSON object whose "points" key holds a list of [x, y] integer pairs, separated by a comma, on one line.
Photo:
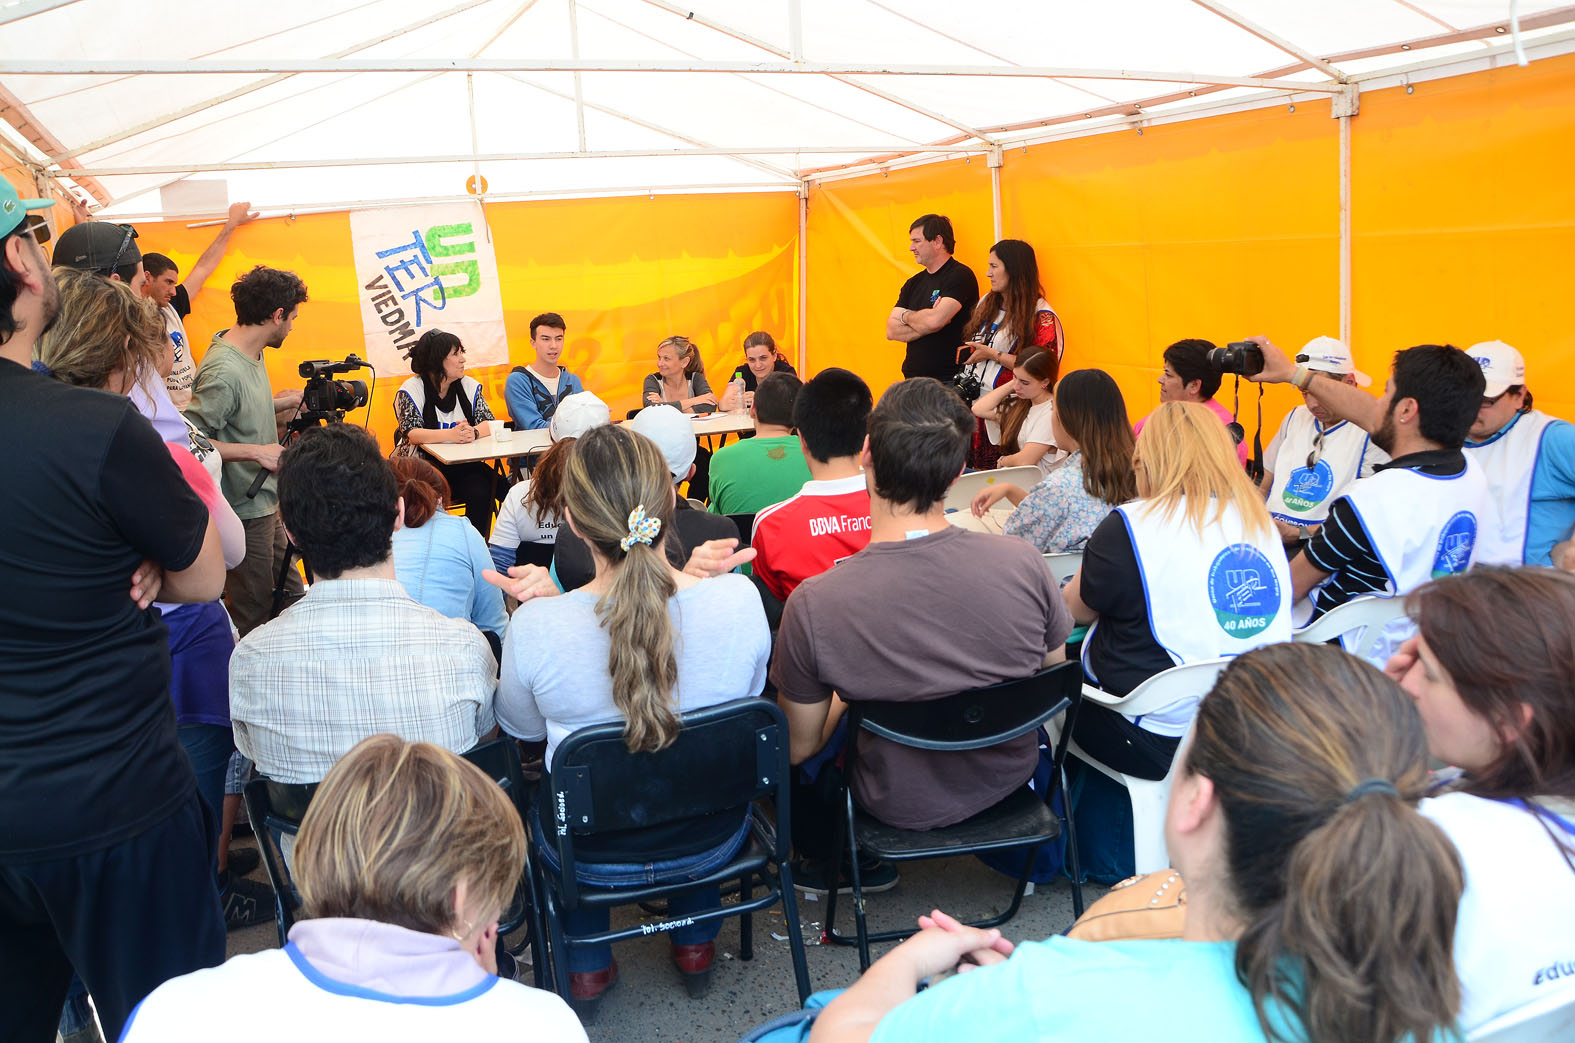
{"points": [[440, 566], [1112, 992]]}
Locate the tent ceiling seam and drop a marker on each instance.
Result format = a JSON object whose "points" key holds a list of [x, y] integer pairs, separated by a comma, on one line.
{"points": [[1271, 38], [28, 10]]}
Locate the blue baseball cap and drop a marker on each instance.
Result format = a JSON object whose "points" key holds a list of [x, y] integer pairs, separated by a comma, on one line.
{"points": [[14, 209]]}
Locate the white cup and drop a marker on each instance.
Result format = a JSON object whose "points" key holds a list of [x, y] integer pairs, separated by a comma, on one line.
{"points": [[501, 432]]}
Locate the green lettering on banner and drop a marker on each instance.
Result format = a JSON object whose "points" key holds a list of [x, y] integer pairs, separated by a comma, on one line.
{"points": [[454, 241], [437, 234], [471, 270]]}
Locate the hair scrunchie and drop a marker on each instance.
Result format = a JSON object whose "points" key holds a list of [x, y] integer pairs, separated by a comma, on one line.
{"points": [[642, 529]]}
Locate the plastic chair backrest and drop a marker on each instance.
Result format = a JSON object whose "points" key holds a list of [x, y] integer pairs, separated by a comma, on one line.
{"points": [[1164, 688], [500, 760], [1370, 614], [746, 527], [698, 505], [1064, 566], [534, 554], [974, 719], [725, 756], [1550, 1019], [967, 486], [275, 809]]}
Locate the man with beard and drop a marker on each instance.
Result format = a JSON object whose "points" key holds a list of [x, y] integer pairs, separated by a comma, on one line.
{"points": [[106, 866], [1418, 516], [1315, 455], [233, 403]]}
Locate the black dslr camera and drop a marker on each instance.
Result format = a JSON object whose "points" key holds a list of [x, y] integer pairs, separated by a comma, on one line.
{"points": [[967, 385], [1241, 357], [324, 398]]}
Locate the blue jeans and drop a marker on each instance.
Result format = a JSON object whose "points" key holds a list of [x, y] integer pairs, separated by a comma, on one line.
{"points": [[614, 875]]}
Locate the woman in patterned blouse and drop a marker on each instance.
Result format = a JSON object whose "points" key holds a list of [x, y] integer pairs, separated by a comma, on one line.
{"points": [[441, 404], [1060, 513]]}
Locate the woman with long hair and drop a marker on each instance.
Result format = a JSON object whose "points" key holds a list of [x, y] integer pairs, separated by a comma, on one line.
{"points": [[526, 531], [1490, 669], [441, 404], [1320, 904], [679, 379], [1191, 570], [1008, 323], [640, 643], [1017, 415], [439, 558], [406, 860], [1061, 512]]}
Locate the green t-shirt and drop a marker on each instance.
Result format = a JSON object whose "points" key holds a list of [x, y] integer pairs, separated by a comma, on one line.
{"points": [[755, 473], [232, 401]]}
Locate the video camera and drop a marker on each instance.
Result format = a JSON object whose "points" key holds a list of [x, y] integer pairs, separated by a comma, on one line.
{"points": [[327, 399]]}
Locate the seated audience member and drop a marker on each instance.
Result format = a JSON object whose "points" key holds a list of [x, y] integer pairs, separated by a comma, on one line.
{"points": [[1191, 570], [441, 404], [1315, 455], [993, 337], [679, 380], [642, 643], [438, 558], [406, 859], [1304, 769], [1017, 415], [829, 519], [357, 655], [527, 524], [1490, 671], [1419, 516], [758, 472], [1527, 458], [869, 629], [572, 561], [113, 340], [535, 392], [106, 851], [761, 357], [1188, 377], [1063, 509]]}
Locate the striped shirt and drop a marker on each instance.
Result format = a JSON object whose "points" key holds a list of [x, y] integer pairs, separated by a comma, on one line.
{"points": [[353, 658]]}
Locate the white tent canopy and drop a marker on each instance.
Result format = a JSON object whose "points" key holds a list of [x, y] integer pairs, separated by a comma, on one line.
{"points": [[329, 104]]}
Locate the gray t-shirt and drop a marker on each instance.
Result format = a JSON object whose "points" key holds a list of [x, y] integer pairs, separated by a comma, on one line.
{"points": [[232, 401], [919, 620], [555, 677]]}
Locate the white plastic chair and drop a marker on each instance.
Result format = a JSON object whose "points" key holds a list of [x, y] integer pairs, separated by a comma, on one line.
{"points": [[1149, 797], [1550, 1019], [1064, 566], [1366, 619], [967, 486]]}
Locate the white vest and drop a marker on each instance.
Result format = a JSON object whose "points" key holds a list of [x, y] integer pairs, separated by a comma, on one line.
{"points": [[1422, 526], [1509, 462], [179, 382], [1218, 593], [1302, 495], [468, 386]]}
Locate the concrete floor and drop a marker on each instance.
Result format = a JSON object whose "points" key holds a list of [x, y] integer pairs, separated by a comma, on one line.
{"points": [[649, 1001]]}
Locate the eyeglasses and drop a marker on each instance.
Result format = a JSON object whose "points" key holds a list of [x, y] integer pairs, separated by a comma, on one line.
{"points": [[131, 233]]}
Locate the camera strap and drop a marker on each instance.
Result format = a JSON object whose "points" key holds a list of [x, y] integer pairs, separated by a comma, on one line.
{"points": [[1255, 465]]}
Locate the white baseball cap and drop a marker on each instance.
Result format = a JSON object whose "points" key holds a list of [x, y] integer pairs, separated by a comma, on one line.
{"points": [[576, 415], [1502, 366], [674, 435], [1328, 355]]}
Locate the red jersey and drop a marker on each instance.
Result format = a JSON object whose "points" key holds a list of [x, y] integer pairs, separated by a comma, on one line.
{"points": [[806, 534]]}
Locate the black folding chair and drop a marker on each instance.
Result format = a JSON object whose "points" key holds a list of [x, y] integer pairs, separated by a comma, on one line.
{"points": [[500, 760], [969, 720], [746, 527], [275, 810], [725, 758]]}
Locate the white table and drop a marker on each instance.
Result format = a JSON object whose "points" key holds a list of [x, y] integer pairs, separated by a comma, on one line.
{"points": [[530, 443], [992, 521]]}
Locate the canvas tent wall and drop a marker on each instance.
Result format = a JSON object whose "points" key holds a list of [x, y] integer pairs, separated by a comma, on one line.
{"points": [[1183, 218]]}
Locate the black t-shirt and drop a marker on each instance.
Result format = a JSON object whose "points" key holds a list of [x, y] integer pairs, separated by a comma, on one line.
{"points": [[88, 751], [181, 302], [571, 556], [1123, 652], [935, 354], [748, 374]]}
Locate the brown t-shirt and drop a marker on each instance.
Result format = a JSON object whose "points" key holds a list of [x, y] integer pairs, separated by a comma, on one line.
{"points": [[918, 620]]}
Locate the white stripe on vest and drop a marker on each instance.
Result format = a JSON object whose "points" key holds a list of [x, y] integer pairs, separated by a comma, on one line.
{"points": [[1509, 462], [1216, 593], [1302, 495]]}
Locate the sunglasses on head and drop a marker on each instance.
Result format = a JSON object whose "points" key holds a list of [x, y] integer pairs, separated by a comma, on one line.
{"points": [[131, 233]]}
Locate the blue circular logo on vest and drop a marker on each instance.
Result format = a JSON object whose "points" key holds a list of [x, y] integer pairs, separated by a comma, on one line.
{"points": [[1455, 544], [1244, 591], [1307, 487]]}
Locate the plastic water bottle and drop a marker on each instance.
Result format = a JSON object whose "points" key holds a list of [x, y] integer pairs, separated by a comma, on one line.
{"points": [[736, 389]]}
